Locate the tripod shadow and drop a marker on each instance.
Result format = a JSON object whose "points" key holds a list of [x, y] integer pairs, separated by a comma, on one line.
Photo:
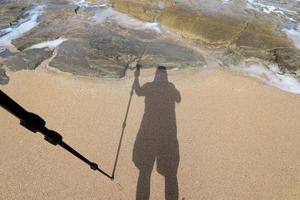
{"points": [[157, 137]]}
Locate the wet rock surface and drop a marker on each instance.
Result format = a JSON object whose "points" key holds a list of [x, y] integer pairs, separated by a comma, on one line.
{"points": [[244, 34], [29, 59], [110, 51], [288, 59], [10, 13], [99, 49]]}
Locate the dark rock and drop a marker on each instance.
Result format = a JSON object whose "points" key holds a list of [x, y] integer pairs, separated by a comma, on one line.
{"points": [[288, 59], [28, 59], [3, 77], [4, 53], [109, 51], [79, 58]]}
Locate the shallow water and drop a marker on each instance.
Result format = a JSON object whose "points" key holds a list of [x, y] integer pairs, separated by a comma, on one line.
{"points": [[270, 75], [294, 34]]}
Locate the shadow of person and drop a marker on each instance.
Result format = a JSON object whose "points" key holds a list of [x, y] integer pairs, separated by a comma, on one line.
{"points": [[157, 137]]}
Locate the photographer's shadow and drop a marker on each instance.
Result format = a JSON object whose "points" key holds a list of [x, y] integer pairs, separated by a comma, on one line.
{"points": [[157, 136]]}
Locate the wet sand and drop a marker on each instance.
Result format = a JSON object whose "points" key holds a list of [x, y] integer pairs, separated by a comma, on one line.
{"points": [[238, 138]]}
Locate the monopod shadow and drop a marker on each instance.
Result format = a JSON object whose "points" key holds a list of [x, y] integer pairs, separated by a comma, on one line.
{"points": [[123, 127]]}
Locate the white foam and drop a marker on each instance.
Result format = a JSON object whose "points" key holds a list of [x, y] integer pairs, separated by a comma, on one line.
{"points": [[153, 26], [227, 1], [109, 14], [83, 3], [49, 44], [269, 9], [24, 25], [294, 34], [272, 77]]}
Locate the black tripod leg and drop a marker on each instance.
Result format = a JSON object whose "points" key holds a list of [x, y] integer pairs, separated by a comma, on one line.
{"points": [[92, 165]]}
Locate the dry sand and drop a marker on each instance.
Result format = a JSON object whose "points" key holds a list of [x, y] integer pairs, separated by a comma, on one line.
{"points": [[238, 138]]}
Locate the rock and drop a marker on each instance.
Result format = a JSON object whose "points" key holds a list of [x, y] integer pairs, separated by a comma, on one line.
{"points": [[110, 51], [10, 13], [52, 25], [3, 77], [28, 59], [138, 10], [4, 53], [144, 9], [200, 26], [262, 36], [171, 55], [288, 59], [246, 35], [105, 49], [206, 26], [79, 58]]}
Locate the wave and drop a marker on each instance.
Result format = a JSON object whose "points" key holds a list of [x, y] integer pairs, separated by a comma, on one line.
{"points": [[270, 75], [294, 34], [269, 9]]}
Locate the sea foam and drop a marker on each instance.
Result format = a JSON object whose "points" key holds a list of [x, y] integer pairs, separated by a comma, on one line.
{"points": [[269, 9], [109, 14], [294, 34], [272, 76], [49, 44], [84, 4]]}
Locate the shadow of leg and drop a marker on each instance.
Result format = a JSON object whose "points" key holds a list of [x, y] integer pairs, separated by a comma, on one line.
{"points": [[171, 187], [143, 185]]}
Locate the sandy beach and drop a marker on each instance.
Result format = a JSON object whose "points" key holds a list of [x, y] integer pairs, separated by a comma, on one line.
{"points": [[238, 138]]}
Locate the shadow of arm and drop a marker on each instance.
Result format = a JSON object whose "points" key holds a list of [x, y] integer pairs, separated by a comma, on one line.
{"points": [[177, 96], [140, 91]]}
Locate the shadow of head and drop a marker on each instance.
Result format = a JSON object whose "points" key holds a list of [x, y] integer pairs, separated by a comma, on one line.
{"points": [[161, 74]]}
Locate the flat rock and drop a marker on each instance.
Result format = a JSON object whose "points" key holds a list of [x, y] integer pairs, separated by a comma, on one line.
{"points": [[110, 51], [28, 59]]}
